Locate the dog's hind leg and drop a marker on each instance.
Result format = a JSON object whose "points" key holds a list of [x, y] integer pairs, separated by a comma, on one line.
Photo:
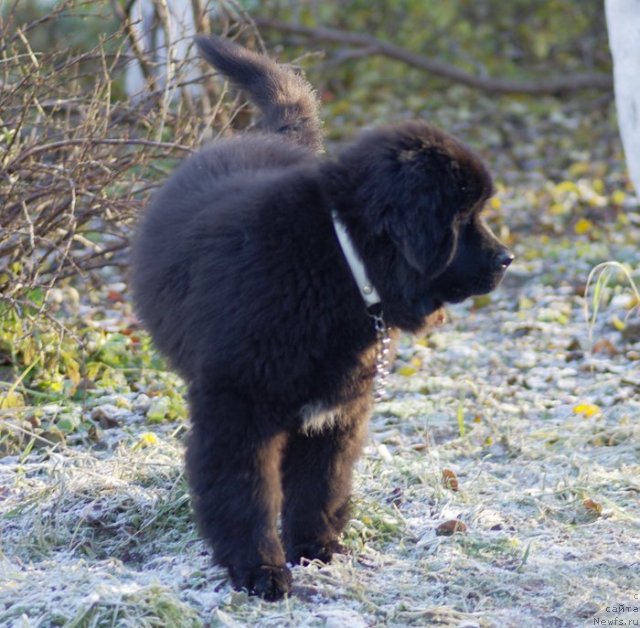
{"points": [[233, 466], [317, 474]]}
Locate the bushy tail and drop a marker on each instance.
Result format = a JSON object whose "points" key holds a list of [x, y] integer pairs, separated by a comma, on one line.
{"points": [[286, 101]]}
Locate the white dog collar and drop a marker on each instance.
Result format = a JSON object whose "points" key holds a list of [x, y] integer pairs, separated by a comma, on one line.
{"points": [[367, 289]]}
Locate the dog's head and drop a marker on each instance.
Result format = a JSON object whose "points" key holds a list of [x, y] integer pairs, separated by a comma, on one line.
{"points": [[412, 201]]}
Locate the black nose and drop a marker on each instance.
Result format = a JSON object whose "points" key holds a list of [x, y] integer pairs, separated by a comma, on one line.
{"points": [[504, 259]]}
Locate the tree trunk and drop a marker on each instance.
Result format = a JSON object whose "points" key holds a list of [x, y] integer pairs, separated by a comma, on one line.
{"points": [[623, 22]]}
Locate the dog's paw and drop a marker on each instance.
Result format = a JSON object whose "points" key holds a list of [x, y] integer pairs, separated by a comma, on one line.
{"points": [[266, 581], [310, 550]]}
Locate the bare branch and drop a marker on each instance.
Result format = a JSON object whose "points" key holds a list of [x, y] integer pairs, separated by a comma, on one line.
{"points": [[53, 146], [75, 166], [376, 46]]}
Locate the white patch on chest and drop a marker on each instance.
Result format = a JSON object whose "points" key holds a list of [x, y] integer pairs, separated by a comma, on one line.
{"points": [[317, 417]]}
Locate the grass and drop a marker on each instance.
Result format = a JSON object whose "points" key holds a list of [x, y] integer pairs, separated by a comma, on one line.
{"points": [[98, 532], [599, 283], [103, 536]]}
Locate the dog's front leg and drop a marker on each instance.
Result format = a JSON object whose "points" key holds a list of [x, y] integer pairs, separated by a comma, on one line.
{"points": [[233, 466], [317, 474]]}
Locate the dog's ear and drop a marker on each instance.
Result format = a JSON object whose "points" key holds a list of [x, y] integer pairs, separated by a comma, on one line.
{"points": [[423, 199], [420, 224]]}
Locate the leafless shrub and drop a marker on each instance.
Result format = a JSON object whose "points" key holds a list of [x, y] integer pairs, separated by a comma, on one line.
{"points": [[76, 163]]}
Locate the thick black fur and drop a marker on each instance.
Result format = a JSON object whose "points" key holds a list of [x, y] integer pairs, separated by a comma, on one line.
{"points": [[239, 277]]}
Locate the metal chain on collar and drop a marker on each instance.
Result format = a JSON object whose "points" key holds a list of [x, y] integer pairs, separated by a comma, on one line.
{"points": [[383, 350]]}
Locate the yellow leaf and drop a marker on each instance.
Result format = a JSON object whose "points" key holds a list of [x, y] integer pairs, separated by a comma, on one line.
{"points": [[73, 369], [584, 225], [633, 302], [579, 168], [566, 186], [598, 186], [11, 400], [29, 350], [618, 324], [407, 371], [147, 439], [496, 203], [525, 303], [587, 409], [618, 197], [558, 209], [481, 301]]}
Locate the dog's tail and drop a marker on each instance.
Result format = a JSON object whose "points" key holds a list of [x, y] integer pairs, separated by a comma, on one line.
{"points": [[286, 101]]}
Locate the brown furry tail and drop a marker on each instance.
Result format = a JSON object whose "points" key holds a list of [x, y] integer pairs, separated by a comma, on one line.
{"points": [[286, 101]]}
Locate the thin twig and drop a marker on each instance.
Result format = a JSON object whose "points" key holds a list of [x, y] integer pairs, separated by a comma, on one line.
{"points": [[377, 46], [84, 141]]}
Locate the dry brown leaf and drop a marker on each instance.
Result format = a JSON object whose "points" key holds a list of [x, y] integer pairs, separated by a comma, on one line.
{"points": [[450, 479], [605, 346], [448, 528], [592, 506]]}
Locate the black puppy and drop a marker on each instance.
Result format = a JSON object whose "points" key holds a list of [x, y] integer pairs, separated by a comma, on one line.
{"points": [[262, 270]]}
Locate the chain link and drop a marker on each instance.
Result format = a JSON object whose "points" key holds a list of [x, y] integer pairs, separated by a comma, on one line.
{"points": [[383, 351]]}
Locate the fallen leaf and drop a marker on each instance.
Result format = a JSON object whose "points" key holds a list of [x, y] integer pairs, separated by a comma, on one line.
{"points": [[566, 186], [587, 409], [147, 439], [558, 209], [598, 186], [158, 410], [592, 506], [605, 346], [448, 528], [618, 197], [584, 225], [618, 324], [450, 479], [481, 301], [115, 297], [579, 168], [11, 400]]}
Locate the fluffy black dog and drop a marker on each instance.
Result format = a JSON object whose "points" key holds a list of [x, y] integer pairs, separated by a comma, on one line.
{"points": [[241, 279]]}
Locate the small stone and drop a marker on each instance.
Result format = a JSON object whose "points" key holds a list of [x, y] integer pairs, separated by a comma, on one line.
{"points": [[141, 404], [107, 416]]}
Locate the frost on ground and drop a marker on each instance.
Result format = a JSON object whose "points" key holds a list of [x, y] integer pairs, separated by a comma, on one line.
{"points": [[540, 434], [500, 485]]}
